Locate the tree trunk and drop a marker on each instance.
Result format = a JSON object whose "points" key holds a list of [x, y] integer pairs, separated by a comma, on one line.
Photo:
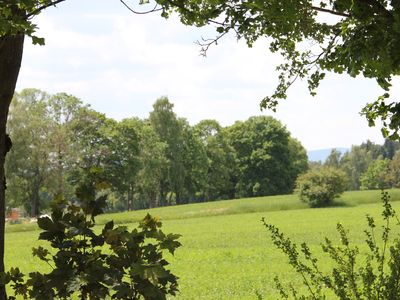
{"points": [[60, 175], [130, 196], [152, 196], [163, 193], [11, 48], [35, 200]]}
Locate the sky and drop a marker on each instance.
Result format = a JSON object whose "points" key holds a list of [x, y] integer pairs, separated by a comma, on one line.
{"points": [[121, 63]]}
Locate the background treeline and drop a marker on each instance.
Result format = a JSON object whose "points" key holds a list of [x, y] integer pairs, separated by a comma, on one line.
{"points": [[158, 161], [367, 166]]}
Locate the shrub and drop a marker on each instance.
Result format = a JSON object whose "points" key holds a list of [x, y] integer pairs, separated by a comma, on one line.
{"points": [[321, 186], [376, 277], [116, 263]]}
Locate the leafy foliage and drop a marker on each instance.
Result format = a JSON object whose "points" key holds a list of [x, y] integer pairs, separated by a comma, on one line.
{"points": [[153, 162], [361, 37], [394, 170], [220, 160], [355, 275], [132, 266], [354, 163], [319, 187], [376, 176], [267, 161]]}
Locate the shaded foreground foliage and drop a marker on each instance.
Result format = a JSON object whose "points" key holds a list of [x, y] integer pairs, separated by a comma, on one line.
{"points": [[132, 266], [375, 275]]}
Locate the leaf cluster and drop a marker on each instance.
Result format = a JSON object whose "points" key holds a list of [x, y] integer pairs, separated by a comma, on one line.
{"points": [[117, 262], [313, 37], [355, 275], [16, 17]]}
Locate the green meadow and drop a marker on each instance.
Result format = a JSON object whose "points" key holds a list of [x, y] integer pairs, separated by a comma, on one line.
{"points": [[226, 252]]}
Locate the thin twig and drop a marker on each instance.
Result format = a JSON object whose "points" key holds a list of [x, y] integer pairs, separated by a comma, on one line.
{"points": [[206, 44], [140, 12]]}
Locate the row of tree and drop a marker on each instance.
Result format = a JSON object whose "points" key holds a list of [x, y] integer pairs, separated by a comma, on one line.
{"points": [[158, 161], [368, 166]]}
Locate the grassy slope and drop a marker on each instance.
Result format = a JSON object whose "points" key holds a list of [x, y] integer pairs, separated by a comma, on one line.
{"points": [[226, 252]]}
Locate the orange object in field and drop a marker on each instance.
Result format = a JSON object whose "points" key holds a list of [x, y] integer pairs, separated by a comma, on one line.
{"points": [[14, 214]]}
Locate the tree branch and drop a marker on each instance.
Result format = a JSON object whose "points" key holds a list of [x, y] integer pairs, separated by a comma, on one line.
{"points": [[40, 8], [329, 11], [371, 3], [140, 12], [206, 44], [378, 6]]}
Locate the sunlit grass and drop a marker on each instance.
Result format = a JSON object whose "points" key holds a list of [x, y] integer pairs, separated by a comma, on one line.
{"points": [[227, 253]]}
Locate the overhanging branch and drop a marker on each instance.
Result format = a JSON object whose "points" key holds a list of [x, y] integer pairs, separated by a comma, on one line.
{"points": [[140, 12], [40, 8], [205, 44], [329, 11]]}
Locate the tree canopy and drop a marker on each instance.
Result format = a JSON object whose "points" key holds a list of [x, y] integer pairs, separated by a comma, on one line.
{"points": [[151, 162], [342, 36]]}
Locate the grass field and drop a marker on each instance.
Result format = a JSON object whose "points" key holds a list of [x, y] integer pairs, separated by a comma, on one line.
{"points": [[227, 253]]}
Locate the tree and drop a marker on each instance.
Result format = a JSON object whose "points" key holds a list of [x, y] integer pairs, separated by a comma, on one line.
{"points": [[42, 156], [220, 160], [152, 161], [123, 161], [376, 176], [266, 164], [28, 164], [375, 150], [63, 110], [90, 135], [389, 148], [169, 130], [194, 164], [333, 160], [361, 37], [354, 163], [298, 158], [394, 170]]}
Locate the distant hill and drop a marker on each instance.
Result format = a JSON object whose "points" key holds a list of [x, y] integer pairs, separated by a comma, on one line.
{"points": [[322, 154]]}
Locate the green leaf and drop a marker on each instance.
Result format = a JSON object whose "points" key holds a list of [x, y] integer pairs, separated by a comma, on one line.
{"points": [[45, 223], [41, 253], [37, 40]]}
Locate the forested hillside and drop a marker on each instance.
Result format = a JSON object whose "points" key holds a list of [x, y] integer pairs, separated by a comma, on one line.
{"points": [[368, 166]]}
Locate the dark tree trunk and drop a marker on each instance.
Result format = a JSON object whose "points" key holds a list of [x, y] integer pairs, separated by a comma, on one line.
{"points": [[152, 196], [35, 200], [130, 197], [178, 199], [163, 193], [11, 48], [60, 175]]}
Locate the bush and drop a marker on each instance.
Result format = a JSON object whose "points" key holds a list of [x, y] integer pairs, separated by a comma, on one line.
{"points": [[354, 275], [320, 187], [116, 263]]}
